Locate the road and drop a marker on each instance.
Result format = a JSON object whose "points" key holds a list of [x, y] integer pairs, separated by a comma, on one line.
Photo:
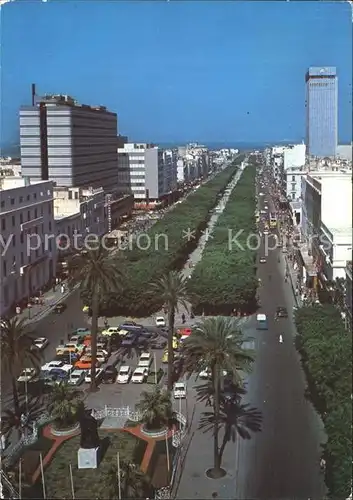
{"points": [[282, 461]]}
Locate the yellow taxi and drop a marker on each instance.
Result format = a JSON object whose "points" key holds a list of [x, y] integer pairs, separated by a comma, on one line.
{"points": [[165, 356]]}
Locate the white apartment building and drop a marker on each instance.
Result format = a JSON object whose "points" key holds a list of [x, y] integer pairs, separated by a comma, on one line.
{"points": [[293, 182], [80, 210], [327, 220], [153, 172], [28, 253]]}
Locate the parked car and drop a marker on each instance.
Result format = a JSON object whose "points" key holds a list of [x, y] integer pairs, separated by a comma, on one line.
{"points": [[145, 360], [130, 326], [40, 343], [110, 331], [124, 375], [262, 260], [99, 373], [158, 344], [179, 390], [56, 364], [109, 375], [85, 363], [160, 321], [76, 377], [26, 375], [129, 340], [139, 376]]}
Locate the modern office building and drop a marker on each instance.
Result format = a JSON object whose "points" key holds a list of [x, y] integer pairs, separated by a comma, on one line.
{"points": [[321, 111], [71, 144], [152, 171], [28, 260]]}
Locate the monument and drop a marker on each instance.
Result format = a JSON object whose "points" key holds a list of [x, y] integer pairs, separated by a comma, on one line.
{"points": [[88, 453]]}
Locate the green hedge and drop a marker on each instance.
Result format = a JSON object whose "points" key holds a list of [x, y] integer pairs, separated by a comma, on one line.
{"points": [[326, 353], [144, 266], [224, 279]]}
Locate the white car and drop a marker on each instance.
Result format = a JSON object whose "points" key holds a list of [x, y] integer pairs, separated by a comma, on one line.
{"points": [[139, 375], [40, 343], [206, 373], [266, 207], [262, 260], [102, 355], [261, 194], [145, 360], [76, 377], [99, 372], [124, 375], [179, 390], [56, 364], [160, 322], [266, 231], [26, 375]]}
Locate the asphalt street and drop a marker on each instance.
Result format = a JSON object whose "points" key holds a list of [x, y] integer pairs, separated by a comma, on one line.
{"points": [[282, 461]]}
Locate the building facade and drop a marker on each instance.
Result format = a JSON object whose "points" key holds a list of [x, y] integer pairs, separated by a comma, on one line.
{"points": [[71, 144], [88, 202], [321, 111], [28, 259], [152, 171]]}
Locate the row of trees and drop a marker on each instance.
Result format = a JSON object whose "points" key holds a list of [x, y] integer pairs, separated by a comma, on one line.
{"points": [[326, 353], [224, 279], [165, 248]]}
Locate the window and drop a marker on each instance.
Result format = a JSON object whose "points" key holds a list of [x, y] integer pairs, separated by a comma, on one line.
{"points": [[2, 204], [12, 201], [70, 195], [28, 197], [4, 268], [293, 186], [293, 196], [35, 196], [76, 195], [28, 215], [21, 218], [293, 177], [3, 224], [21, 199], [22, 238], [13, 240], [49, 208], [41, 193], [13, 220], [35, 213]]}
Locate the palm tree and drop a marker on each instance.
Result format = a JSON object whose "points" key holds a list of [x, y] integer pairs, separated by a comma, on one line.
{"points": [[65, 405], [12, 419], [17, 351], [216, 344], [172, 290], [237, 419], [133, 483], [99, 274], [156, 408]]}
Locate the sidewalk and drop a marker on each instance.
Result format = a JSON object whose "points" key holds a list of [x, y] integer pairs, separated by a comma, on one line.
{"points": [[51, 299]]}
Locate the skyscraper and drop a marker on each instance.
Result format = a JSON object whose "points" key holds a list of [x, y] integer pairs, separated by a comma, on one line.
{"points": [[72, 144], [321, 111]]}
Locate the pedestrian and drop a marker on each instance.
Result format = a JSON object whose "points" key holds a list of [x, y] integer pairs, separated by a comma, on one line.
{"points": [[105, 323], [57, 281], [62, 288]]}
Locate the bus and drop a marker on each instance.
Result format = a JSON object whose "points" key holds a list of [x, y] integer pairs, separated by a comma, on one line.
{"points": [[273, 221]]}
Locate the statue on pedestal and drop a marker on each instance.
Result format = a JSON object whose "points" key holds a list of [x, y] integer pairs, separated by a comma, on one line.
{"points": [[89, 432]]}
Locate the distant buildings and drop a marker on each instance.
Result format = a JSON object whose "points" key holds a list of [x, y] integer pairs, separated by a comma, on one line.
{"points": [[72, 144], [28, 261], [321, 111], [193, 163]]}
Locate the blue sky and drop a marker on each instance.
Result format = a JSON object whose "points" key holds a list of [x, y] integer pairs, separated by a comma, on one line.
{"points": [[178, 70]]}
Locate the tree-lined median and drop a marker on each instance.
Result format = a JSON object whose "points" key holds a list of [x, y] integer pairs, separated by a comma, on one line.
{"points": [[224, 279], [326, 352], [166, 246]]}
